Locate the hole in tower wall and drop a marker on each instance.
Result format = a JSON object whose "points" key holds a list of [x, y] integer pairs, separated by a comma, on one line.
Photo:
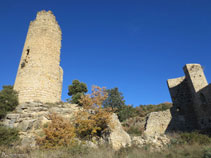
{"points": [[27, 52], [23, 64], [178, 109]]}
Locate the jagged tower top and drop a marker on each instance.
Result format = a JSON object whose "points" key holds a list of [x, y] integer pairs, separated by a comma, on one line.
{"points": [[46, 18], [45, 14]]}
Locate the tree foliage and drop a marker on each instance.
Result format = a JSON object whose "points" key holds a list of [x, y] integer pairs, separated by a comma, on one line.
{"points": [[76, 90], [8, 135], [128, 111], [125, 112], [115, 99], [93, 120], [8, 100]]}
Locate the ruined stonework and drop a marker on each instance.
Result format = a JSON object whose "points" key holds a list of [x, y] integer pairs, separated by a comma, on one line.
{"points": [[157, 122], [191, 96], [39, 76], [30, 118]]}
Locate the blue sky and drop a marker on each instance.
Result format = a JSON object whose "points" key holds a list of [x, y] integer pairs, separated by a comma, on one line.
{"points": [[135, 45]]}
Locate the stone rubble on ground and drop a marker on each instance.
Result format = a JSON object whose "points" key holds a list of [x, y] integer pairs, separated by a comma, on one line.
{"points": [[157, 142]]}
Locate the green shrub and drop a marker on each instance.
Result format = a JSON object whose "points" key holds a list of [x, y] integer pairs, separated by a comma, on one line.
{"points": [[126, 112], [8, 100], [76, 91], [8, 135], [143, 110], [207, 153], [194, 138]]}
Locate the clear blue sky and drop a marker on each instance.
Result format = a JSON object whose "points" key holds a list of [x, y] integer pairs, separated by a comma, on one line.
{"points": [[135, 45]]}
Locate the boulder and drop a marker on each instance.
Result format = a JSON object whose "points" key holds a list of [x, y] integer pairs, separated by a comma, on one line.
{"points": [[117, 137], [157, 122]]}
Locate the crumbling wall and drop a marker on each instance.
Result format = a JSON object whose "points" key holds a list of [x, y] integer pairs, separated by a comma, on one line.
{"points": [[157, 122], [39, 76], [191, 99]]}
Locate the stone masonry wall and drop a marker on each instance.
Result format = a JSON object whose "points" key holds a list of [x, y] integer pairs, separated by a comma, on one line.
{"points": [[191, 98], [39, 76]]}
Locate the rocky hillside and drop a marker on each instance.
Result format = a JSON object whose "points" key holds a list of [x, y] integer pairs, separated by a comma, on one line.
{"points": [[30, 118]]}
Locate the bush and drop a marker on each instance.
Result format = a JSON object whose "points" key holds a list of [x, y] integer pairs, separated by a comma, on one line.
{"points": [[93, 120], [207, 153], [8, 100], [8, 135], [76, 90], [59, 133], [126, 112], [190, 138], [143, 110], [195, 137]]}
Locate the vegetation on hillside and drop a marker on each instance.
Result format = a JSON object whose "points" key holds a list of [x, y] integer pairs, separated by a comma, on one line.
{"points": [[115, 99], [76, 91], [59, 132], [90, 122], [184, 150], [8, 135], [94, 120], [8, 100], [143, 110], [128, 111], [59, 136]]}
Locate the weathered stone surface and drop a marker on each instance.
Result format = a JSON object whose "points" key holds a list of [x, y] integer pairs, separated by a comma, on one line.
{"points": [[26, 125], [157, 122], [191, 99], [118, 138], [28, 142], [156, 141], [30, 117], [40, 76]]}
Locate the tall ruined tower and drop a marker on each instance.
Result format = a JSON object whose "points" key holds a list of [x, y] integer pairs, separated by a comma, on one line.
{"points": [[39, 76], [191, 96]]}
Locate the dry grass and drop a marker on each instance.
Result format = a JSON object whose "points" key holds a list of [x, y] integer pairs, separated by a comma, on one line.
{"points": [[182, 151]]}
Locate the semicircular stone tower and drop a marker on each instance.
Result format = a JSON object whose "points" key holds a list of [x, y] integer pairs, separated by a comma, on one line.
{"points": [[39, 76]]}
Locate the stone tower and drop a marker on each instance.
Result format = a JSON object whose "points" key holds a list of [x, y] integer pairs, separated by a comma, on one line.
{"points": [[191, 96], [39, 76]]}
